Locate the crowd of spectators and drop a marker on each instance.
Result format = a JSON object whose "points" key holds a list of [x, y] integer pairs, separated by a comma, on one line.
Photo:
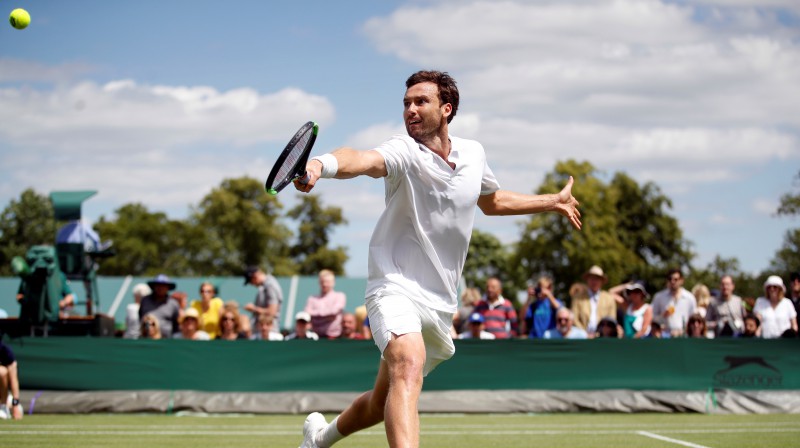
{"points": [[590, 311]]}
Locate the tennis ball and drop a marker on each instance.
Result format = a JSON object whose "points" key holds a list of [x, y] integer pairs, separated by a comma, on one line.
{"points": [[19, 18]]}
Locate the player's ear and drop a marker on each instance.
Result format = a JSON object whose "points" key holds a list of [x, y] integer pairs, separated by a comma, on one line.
{"points": [[447, 109]]}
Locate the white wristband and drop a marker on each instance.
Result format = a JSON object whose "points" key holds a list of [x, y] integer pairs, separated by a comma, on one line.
{"points": [[330, 166]]}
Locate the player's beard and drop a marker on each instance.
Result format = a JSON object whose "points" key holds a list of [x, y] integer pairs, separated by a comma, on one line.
{"points": [[426, 131]]}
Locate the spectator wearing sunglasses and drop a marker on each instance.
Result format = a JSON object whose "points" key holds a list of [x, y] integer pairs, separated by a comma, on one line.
{"points": [[565, 327]]}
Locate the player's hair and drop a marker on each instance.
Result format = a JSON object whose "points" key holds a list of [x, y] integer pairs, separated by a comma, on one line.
{"points": [[448, 91]]}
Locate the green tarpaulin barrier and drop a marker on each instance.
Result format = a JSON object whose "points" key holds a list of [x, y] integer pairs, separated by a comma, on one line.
{"points": [[338, 366]]}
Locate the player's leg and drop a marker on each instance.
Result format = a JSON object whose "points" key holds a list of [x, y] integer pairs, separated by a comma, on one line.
{"points": [[4, 384], [405, 359], [368, 409]]}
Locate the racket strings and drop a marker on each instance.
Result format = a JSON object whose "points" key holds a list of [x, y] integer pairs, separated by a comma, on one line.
{"points": [[287, 169]]}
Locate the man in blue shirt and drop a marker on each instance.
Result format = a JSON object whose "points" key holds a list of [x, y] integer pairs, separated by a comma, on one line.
{"points": [[540, 314]]}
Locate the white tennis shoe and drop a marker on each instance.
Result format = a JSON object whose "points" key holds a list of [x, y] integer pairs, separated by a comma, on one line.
{"points": [[4, 414], [315, 422]]}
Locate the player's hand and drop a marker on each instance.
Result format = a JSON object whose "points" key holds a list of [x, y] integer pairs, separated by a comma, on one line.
{"points": [[313, 172], [568, 206]]}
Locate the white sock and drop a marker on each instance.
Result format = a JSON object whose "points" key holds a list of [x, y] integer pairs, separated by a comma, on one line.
{"points": [[329, 435]]}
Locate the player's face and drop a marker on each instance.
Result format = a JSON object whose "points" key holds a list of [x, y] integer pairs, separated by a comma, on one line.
{"points": [[423, 113]]}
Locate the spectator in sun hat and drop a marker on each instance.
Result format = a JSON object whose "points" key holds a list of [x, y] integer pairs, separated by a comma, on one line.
{"points": [[598, 304], [161, 306], [269, 296], [639, 314], [190, 327], [302, 328], [776, 312], [476, 328]]}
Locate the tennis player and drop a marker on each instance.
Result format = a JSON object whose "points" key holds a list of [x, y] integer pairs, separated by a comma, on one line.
{"points": [[433, 182]]}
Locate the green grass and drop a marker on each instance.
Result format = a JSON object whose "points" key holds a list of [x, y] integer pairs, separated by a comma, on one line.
{"points": [[450, 430]]}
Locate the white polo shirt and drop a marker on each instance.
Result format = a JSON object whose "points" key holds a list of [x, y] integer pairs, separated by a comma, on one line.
{"points": [[420, 242]]}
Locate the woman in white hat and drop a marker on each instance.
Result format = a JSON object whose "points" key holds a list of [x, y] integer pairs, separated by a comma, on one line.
{"points": [[776, 312]]}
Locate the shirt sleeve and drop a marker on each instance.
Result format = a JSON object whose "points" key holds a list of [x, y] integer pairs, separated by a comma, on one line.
{"points": [[489, 183], [396, 154]]}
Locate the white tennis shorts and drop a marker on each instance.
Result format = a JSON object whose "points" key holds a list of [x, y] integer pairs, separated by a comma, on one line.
{"points": [[398, 315]]}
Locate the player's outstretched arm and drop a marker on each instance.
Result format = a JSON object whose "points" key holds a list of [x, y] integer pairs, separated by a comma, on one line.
{"points": [[349, 163], [503, 202]]}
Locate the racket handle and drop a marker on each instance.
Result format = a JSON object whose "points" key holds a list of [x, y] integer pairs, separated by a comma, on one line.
{"points": [[304, 180]]}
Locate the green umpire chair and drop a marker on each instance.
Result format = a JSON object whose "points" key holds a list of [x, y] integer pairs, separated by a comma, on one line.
{"points": [[78, 247]]}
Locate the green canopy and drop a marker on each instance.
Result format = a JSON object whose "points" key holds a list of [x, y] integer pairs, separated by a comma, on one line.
{"points": [[67, 204]]}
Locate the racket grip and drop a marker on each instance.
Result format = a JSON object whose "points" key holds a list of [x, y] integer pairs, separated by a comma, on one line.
{"points": [[304, 180]]}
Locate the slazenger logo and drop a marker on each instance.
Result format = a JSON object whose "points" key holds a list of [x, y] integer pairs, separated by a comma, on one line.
{"points": [[748, 372]]}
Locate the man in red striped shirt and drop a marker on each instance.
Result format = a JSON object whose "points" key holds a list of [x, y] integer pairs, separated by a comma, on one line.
{"points": [[499, 313]]}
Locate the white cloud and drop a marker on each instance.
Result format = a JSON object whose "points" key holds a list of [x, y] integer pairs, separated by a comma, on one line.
{"points": [[764, 206], [162, 145]]}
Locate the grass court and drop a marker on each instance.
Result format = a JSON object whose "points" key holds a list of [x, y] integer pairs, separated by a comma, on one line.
{"points": [[449, 430]]}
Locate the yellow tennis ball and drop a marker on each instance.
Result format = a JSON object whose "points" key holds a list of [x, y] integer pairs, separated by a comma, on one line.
{"points": [[19, 18]]}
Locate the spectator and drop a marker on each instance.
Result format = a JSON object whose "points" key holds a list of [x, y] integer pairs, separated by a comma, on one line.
{"points": [[726, 313], [366, 331], [209, 308], [498, 312], [776, 312], [476, 328], [657, 331], [9, 384], [598, 304], [132, 326], [794, 290], [540, 311], [349, 327], [469, 298], [639, 314], [269, 296], [150, 328], [182, 298], [696, 326], [161, 306], [703, 297], [565, 327], [674, 304], [608, 328], [265, 326], [752, 327], [302, 328], [230, 325], [326, 309], [190, 327]]}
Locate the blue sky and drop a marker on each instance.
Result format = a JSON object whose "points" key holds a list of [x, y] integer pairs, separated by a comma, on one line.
{"points": [[158, 101]]}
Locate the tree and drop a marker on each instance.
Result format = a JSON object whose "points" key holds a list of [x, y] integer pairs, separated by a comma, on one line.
{"points": [[24, 223], [627, 230], [241, 226], [790, 203], [486, 257], [311, 252], [787, 258], [145, 243], [646, 228]]}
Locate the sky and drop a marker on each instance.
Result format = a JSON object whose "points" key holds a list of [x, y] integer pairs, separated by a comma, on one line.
{"points": [[158, 101]]}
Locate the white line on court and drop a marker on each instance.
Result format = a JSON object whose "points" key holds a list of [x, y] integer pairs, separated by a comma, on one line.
{"points": [[667, 439], [295, 431]]}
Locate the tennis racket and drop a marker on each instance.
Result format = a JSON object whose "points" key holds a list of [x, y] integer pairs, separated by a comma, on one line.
{"points": [[291, 164]]}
